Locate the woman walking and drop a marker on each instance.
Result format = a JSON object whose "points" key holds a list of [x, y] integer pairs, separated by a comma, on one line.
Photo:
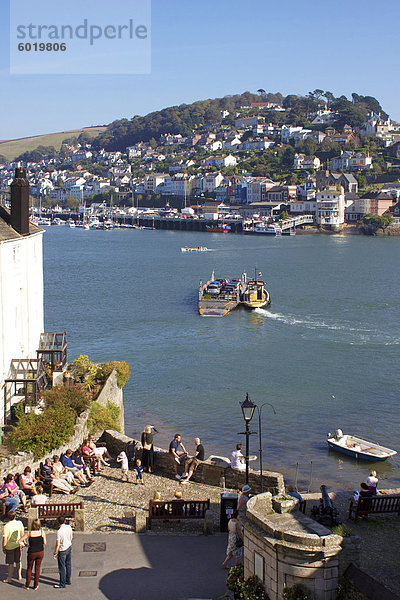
{"points": [[235, 541], [148, 448], [36, 541]]}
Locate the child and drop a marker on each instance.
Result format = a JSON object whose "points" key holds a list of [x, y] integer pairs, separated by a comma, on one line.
{"points": [[123, 459], [139, 471], [39, 498]]}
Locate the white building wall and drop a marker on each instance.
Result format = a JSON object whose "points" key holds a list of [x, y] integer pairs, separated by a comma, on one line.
{"points": [[21, 301]]}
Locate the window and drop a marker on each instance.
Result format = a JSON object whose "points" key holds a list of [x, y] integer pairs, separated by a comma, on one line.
{"points": [[259, 566]]}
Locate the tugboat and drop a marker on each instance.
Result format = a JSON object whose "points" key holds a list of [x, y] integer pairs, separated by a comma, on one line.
{"points": [[218, 297], [255, 295]]}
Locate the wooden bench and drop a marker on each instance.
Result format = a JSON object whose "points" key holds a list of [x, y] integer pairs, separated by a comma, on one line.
{"points": [[382, 503], [52, 511], [166, 510]]}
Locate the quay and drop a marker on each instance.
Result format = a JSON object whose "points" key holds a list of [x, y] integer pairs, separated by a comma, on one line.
{"points": [[187, 224]]}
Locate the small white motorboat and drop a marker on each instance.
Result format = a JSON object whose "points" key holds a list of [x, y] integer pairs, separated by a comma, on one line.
{"points": [[357, 447], [196, 249]]}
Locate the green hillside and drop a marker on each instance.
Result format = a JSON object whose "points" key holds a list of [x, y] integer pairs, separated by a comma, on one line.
{"points": [[186, 118], [10, 149]]}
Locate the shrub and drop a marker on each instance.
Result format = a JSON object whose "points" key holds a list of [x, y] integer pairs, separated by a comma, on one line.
{"points": [[103, 417], [253, 589], [378, 221], [41, 433], [235, 578], [121, 367], [296, 592], [85, 371], [75, 397], [342, 530]]}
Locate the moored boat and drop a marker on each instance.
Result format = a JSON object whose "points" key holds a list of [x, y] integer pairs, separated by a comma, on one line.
{"points": [[219, 228], [358, 447], [269, 229]]}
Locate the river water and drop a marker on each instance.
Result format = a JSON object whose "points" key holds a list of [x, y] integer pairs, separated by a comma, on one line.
{"points": [[325, 355]]}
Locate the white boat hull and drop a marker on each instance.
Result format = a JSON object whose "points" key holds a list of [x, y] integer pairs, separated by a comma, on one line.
{"points": [[359, 448]]}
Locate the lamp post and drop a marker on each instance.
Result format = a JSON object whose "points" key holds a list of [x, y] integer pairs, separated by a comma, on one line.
{"points": [[248, 408], [259, 411]]}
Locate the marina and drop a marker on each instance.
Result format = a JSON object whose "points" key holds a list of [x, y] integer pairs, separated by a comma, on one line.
{"points": [[332, 330]]}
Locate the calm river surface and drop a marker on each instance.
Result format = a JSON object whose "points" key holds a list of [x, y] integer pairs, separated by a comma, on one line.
{"points": [[326, 353]]}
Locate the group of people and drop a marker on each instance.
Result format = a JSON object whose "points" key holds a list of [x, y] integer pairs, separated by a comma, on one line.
{"points": [[15, 539], [180, 455]]}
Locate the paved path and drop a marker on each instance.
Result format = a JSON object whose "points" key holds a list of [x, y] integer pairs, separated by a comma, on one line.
{"points": [[133, 567]]}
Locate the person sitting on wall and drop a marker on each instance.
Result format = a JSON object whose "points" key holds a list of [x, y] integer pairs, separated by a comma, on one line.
{"points": [[68, 463], [52, 477], [14, 490], [89, 456], [39, 498], [9, 502], [237, 459], [28, 482], [178, 452], [100, 452], [81, 464], [192, 463]]}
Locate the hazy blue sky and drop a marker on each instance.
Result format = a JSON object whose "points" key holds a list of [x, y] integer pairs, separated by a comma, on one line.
{"points": [[216, 47]]}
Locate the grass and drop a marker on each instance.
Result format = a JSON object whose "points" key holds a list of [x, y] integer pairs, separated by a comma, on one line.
{"points": [[13, 148]]}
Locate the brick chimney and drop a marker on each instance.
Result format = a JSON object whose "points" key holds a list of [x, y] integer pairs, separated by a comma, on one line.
{"points": [[20, 202]]}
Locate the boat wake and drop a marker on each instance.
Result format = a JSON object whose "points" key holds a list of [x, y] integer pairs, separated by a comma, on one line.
{"points": [[359, 335], [308, 322]]}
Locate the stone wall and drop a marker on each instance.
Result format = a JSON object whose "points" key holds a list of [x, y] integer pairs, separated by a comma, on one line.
{"points": [[16, 463], [208, 472], [290, 548], [112, 393]]}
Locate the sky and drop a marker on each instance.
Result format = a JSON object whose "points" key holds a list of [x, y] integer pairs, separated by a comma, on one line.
{"points": [[210, 49]]}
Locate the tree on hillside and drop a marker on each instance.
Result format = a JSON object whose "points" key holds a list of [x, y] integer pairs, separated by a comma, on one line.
{"points": [[71, 202]]}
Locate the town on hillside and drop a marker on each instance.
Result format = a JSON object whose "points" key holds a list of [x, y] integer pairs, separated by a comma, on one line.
{"points": [[251, 156]]}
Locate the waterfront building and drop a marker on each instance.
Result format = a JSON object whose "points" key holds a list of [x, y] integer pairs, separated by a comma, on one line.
{"points": [[373, 203], [21, 281], [330, 206]]}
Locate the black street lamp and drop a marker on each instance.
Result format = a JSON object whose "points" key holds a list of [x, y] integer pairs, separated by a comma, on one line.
{"points": [[248, 408]]}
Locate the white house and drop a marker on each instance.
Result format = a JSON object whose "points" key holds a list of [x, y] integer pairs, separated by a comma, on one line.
{"points": [[350, 161], [324, 116], [211, 181], [301, 161], [219, 161], [244, 122], [330, 206], [21, 282], [153, 180]]}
